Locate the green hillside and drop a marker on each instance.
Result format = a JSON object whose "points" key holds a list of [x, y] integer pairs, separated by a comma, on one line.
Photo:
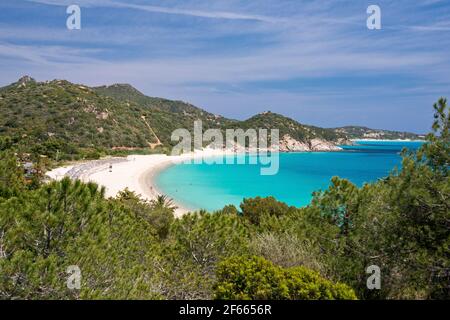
{"points": [[269, 120], [166, 115], [127, 93], [182, 114], [68, 117]]}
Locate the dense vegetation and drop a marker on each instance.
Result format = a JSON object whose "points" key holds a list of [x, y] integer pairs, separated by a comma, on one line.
{"points": [[127, 248], [270, 120], [60, 117], [127, 93], [245, 278], [166, 115]]}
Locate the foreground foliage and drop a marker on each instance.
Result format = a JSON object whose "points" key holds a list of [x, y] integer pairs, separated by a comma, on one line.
{"points": [[245, 278]]}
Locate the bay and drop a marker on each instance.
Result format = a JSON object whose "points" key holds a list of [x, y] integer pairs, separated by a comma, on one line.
{"points": [[211, 187]]}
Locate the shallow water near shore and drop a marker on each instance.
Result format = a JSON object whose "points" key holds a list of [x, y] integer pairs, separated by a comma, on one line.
{"points": [[211, 187]]}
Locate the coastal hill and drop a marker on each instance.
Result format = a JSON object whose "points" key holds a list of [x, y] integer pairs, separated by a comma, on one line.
{"points": [[357, 132], [59, 115], [61, 119], [293, 135], [166, 115]]}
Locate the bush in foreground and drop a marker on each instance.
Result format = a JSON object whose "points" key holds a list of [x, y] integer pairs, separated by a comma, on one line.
{"points": [[244, 278]]}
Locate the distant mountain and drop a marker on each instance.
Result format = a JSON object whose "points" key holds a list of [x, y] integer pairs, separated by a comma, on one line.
{"points": [[59, 117], [357, 132]]}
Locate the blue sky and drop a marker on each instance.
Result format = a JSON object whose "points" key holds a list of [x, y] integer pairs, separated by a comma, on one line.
{"points": [[314, 61]]}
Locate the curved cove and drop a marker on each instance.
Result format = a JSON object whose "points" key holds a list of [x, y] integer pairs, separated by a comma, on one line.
{"points": [[211, 187]]}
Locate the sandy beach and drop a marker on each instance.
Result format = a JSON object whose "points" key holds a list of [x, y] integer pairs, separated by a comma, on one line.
{"points": [[135, 172]]}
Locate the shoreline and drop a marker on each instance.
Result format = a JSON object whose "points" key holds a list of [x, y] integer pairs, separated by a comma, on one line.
{"points": [[388, 140], [136, 173], [146, 181]]}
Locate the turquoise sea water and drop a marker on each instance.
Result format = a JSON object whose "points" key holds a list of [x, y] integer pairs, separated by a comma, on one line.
{"points": [[211, 187]]}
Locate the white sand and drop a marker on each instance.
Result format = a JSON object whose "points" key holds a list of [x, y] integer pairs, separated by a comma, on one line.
{"points": [[136, 172], [59, 173]]}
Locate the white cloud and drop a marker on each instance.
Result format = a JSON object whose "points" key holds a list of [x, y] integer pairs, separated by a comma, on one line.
{"points": [[165, 10]]}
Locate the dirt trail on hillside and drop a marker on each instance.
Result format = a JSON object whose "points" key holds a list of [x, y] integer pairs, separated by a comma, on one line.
{"points": [[158, 142]]}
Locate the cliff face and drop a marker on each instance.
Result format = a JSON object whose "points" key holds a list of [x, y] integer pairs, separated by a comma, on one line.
{"points": [[323, 145], [289, 144]]}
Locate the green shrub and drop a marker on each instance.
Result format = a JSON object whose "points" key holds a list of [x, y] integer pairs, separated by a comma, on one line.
{"points": [[250, 278], [305, 284], [243, 278], [255, 209]]}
